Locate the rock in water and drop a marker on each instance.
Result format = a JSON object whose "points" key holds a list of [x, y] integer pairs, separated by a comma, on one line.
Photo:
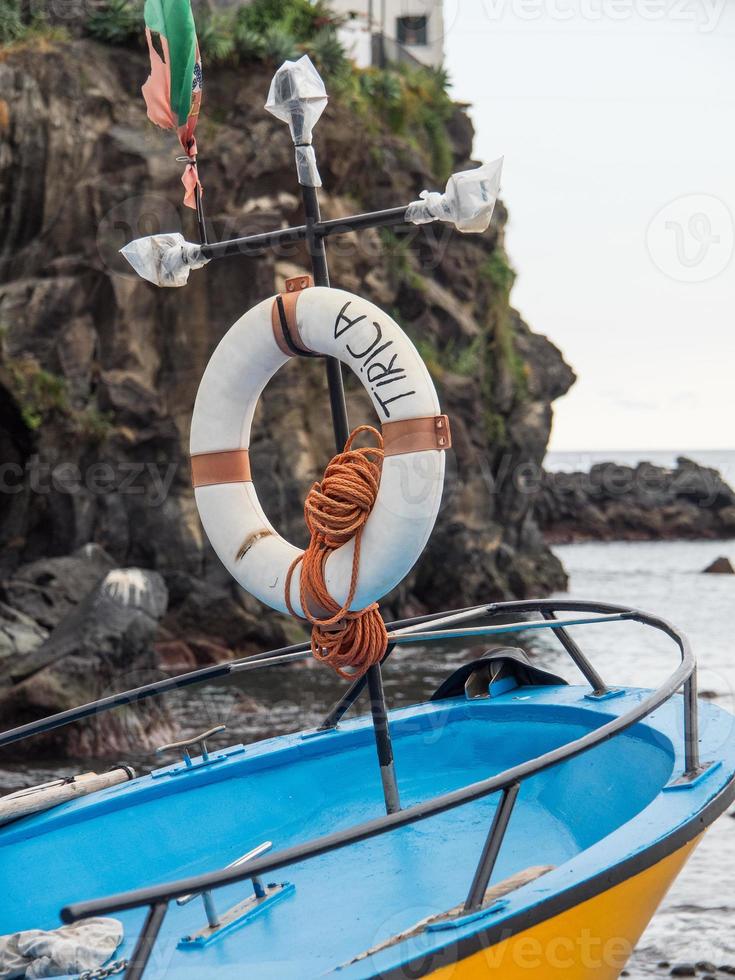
{"points": [[642, 503], [104, 645], [720, 566]]}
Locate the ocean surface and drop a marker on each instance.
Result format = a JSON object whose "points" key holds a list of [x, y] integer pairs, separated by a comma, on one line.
{"points": [[695, 921]]}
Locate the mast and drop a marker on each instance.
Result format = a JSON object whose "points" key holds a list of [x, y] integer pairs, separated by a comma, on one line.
{"points": [[298, 97]]}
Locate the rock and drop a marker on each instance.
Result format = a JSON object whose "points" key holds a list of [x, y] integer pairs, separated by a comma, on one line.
{"points": [[207, 652], [103, 645], [720, 566], [683, 970], [706, 966], [646, 502], [48, 589], [175, 655], [215, 624], [19, 634]]}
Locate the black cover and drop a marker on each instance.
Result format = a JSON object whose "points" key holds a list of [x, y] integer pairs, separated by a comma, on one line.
{"points": [[503, 662]]}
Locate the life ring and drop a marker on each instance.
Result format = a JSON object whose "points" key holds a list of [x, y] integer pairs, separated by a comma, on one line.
{"points": [[323, 321]]}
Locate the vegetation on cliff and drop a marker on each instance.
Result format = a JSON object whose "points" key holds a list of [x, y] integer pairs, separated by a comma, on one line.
{"points": [[412, 100]]}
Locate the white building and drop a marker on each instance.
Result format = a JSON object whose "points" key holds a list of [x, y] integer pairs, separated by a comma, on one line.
{"points": [[387, 28]]}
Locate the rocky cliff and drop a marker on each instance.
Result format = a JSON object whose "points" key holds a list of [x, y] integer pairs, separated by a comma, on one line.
{"points": [[99, 370]]}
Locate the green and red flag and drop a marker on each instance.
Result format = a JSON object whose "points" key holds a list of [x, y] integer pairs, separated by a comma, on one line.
{"points": [[173, 91]]}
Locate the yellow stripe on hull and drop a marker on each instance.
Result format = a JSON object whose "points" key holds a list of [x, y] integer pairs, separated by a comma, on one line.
{"points": [[591, 941]]}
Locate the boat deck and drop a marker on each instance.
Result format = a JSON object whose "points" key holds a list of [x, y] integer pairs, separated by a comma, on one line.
{"points": [[583, 816]]}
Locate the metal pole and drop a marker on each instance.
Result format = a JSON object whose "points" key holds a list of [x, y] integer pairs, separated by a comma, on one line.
{"points": [[345, 702], [491, 849], [288, 100], [383, 740], [691, 726], [320, 269], [340, 424], [255, 244], [594, 679], [210, 910], [200, 215], [144, 947], [434, 632]]}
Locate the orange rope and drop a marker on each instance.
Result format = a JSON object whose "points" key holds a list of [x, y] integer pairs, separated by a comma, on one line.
{"points": [[336, 510]]}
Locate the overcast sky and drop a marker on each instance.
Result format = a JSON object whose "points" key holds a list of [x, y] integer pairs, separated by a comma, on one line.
{"points": [[617, 122]]}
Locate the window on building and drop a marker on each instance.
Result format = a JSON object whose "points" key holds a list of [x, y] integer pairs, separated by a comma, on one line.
{"points": [[412, 30]]}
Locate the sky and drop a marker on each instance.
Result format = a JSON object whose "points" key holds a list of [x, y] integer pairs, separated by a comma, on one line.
{"points": [[616, 119]]}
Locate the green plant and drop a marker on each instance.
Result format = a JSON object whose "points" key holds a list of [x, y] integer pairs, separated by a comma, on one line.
{"points": [[301, 18], [250, 43], [397, 253], [495, 426], [92, 424], [278, 30], [411, 101], [497, 270], [39, 393], [328, 54], [428, 354], [116, 21], [280, 44], [11, 24], [464, 359], [217, 37], [503, 363], [439, 146]]}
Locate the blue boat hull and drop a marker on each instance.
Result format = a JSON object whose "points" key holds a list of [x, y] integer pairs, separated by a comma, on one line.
{"points": [[596, 820]]}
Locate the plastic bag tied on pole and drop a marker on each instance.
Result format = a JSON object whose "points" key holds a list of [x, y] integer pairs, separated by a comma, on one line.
{"points": [[164, 260], [468, 201], [297, 96]]}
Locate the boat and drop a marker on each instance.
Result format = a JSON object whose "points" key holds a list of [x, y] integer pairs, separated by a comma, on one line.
{"points": [[540, 825], [511, 825]]}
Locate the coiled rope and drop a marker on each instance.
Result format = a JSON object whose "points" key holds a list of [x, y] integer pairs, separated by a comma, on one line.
{"points": [[336, 510]]}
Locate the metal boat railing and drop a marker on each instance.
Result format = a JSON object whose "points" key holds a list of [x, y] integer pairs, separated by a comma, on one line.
{"points": [[418, 629]]}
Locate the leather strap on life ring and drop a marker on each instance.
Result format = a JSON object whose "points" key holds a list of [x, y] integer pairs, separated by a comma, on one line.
{"points": [[416, 435], [408, 436], [283, 318], [229, 466]]}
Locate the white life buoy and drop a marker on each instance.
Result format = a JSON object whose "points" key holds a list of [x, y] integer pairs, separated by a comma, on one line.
{"points": [[339, 324]]}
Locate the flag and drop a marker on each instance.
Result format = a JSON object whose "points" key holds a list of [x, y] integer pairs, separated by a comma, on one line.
{"points": [[173, 90]]}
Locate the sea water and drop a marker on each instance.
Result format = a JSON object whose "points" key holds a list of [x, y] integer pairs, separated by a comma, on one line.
{"points": [[695, 921]]}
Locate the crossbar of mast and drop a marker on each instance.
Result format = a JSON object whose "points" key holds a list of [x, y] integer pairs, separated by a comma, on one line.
{"points": [[318, 230]]}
